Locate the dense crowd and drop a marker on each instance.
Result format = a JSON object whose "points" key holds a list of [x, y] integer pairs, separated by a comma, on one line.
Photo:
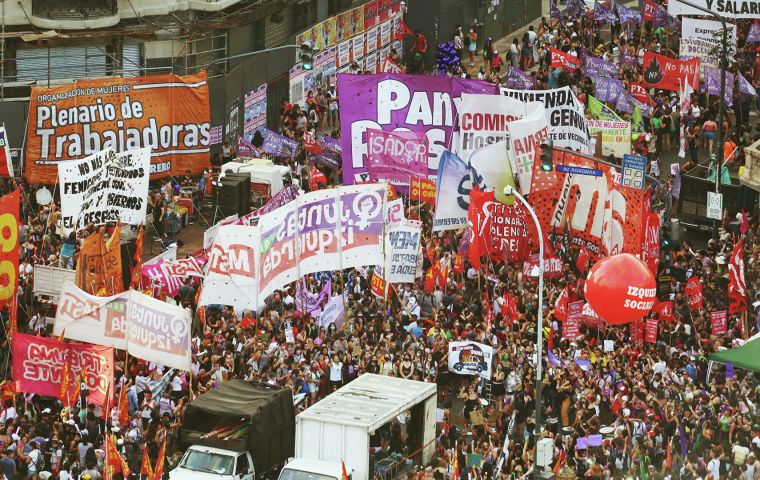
{"points": [[664, 411]]}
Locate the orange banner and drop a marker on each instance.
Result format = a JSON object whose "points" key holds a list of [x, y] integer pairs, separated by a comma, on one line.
{"points": [[99, 265], [168, 113]]}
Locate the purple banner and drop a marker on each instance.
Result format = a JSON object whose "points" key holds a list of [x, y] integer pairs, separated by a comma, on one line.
{"points": [[629, 59], [389, 101], [608, 89], [520, 80], [626, 103], [628, 14], [754, 33], [745, 87], [603, 14], [278, 145], [712, 84], [246, 148], [598, 67]]}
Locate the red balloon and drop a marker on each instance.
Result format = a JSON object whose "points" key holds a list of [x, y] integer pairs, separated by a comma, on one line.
{"points": [[620, 289]]}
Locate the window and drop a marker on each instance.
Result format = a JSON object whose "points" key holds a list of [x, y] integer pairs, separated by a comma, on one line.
{"points": [[242, 465]]}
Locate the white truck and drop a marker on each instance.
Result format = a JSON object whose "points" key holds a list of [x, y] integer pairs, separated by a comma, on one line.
{"points": [[239, 431], [340, 428], [267, 178]]}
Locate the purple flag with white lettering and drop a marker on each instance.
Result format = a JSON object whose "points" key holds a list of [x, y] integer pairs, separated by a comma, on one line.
{"points": [[608, 89], [712, 84], [594, 67], [601, 13], [745, 87], [754, 33], [519, 80], [628, 14]]}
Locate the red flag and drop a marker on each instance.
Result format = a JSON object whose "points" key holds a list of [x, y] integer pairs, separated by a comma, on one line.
{"points": [[560, 59], [123, 406], [744, 226], [158, 472], [430, 280], [664, 310], [146, 469], [651, 251], [402, 31], [344, 473], [737, 288], [509, 308], [640, 92], [459, 263], [693, 292], [560, 306], [478, 220], [582, 262], [649, 8], [63, 390], [136, 274]]}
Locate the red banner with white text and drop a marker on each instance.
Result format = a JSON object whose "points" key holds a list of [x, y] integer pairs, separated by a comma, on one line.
{"points": [[38, 366], [668, 73]]}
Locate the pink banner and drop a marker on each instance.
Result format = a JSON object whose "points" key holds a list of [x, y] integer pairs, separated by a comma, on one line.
{"points": [[38, 365], [396, 156], [171, 274]]}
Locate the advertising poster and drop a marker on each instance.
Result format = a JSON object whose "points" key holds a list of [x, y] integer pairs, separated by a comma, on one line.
{"points": [[167, 113], [255, 111]]}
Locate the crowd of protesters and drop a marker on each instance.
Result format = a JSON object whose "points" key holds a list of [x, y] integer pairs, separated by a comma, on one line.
{"points": [[664, 412]]}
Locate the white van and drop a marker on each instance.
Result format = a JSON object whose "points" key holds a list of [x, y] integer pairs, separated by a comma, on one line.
{"points": [[263, 173], [308, 469]]}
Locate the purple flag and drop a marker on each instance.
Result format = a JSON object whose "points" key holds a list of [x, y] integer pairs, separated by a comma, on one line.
{"points": [[520, 80], [629, 59], [278, 145], [745, 87], [682, 439], [585, 365], [729, 370], [553, 358], [307, 301], [628, 14], [608, 89], [598, 67], [246, 148], [554, 10], [712, 84], [660, 17], [575, 7], [601, 13], [754, 33], [625, 103]]}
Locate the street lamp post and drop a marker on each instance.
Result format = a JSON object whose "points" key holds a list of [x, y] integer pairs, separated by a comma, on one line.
{"points": [[508, 190], [721, 102]]}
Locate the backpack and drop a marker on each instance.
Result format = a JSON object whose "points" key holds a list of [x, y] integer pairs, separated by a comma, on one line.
{"points": [[39, 464]]}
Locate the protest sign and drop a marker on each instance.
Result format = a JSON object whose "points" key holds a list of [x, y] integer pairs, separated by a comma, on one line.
{"points": [[650, 331], [560, 59], [698, 48], [470, 358], [525, 137], [709, 31], [452, 198], [396, 157], [377, 284], [99, 264], [106, 187], [158, 332], [564, 115], [278, 145], [422, 190], [599, 214], [552, 266], [725, 8], [92, 319], [667, 73], [693, 292], [484, 120], [332, 313], [38, 366], [394, 213], [719, 322], [616, 136], [402, 244], [9, 247], [169, 114], [571, 326], [418, 103], [712, 84]]}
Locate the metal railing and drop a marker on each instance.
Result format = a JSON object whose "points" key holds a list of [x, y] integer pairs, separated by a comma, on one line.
{"points": [[73, 9]]}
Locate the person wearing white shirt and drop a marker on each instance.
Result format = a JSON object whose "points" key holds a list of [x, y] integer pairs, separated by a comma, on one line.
{"points": [[713, 466], [336, 373]]}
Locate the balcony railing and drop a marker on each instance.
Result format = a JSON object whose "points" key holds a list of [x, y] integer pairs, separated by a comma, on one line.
{"points": [[73, 9]]}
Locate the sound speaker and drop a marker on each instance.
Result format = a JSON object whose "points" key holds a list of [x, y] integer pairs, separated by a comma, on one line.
{"points": [[235, 194]]}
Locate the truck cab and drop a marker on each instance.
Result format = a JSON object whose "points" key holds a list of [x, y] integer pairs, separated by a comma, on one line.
{"points": [[308, 469], [206, 463]]}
